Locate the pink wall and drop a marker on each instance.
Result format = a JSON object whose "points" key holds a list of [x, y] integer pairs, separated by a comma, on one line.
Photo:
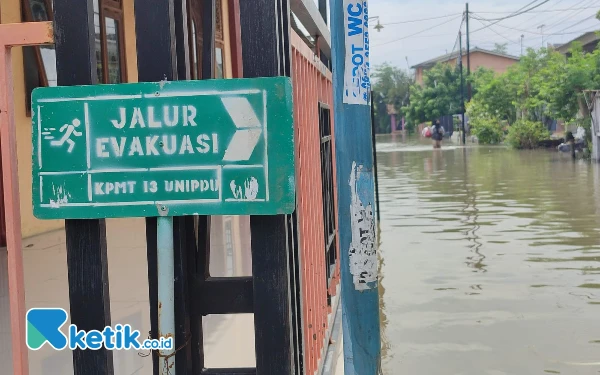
{"points": [[312, 84], [498, 64], [419, 75]]}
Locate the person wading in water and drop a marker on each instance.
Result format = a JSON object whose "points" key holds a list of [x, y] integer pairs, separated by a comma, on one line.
{"points": [[571, 142], [437, 133]]}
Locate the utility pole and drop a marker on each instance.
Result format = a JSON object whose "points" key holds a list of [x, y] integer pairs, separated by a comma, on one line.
{"points": [[356, 190], [541, 28], [522, 37], [468, 56], [462, 87]]}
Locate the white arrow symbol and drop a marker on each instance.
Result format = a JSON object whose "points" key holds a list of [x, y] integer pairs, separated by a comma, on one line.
{"points": [[248, 130]]}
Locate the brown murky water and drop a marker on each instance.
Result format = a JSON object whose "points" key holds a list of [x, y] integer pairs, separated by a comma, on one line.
{"points": [[490, 261]]}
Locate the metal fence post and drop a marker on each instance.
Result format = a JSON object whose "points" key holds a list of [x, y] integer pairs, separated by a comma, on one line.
{"points": [[86, 239], [266, 52]]}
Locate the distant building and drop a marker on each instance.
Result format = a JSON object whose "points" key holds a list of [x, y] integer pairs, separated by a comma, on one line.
{"points": [[498, 62], [589, 41], [392, 112]]}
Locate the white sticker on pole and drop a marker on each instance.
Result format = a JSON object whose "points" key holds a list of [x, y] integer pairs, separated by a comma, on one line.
{"points": [[357, 83], [362, 251]]}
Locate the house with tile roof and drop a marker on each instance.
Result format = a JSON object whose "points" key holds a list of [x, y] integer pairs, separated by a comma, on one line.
{"points": [[498, 62]]}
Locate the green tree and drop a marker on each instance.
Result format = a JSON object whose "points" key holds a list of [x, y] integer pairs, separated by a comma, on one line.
{"points": [[487, 127], [501, 48], [518, 93], [544, 85], [495, 95], [391, 87], [527, 78], [567, 79], [439, 95], [526, 134]]}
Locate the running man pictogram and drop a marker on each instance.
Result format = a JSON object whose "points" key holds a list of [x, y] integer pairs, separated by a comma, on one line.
{"points": [[68, 129]]}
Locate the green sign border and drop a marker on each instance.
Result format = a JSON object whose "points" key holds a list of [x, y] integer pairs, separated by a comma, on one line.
{"points": [[281, 196]]}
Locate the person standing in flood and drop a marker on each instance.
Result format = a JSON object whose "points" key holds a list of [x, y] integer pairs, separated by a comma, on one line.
{"points": [[570, 140], [437, 133]]}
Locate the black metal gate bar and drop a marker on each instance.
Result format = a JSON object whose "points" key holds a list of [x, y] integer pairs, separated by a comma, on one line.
{"points": [[181, 37], [209, 20], [296, 293], [151, 257], [199, 260], [283, 37], [157, 51], [88, 290], [197, 271], [86, 239], [184, 246], [266, 53]]}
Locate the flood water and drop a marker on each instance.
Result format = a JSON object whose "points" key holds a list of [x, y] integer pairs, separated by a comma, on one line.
{"points": [[490, 261]]}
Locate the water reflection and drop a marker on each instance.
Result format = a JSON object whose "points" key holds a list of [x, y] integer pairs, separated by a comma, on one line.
{"points": [[490, 260], [385, 346], [470, 213]]}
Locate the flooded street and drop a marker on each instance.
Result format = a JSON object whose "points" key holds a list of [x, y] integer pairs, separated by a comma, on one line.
{"points": [[490, 261]]}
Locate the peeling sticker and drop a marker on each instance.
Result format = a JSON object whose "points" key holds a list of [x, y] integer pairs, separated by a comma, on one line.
{"points": [[363, 254]]}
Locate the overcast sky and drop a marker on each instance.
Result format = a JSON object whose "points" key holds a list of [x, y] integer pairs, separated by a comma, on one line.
{"points": [[395, 44]]}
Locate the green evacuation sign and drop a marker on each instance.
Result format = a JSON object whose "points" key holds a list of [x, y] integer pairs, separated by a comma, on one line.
{"points": [[220, 147]]}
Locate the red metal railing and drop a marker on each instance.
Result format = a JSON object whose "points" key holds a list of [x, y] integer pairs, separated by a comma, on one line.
{"points": [[2, 213], [312, 85]]}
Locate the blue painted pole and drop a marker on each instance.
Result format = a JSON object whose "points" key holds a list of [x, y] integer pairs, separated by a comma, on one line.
{"points": [[355, 183], [166, 291]]}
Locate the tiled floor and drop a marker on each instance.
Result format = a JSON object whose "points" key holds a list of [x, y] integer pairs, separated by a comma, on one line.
{"points": [[229, 340]]}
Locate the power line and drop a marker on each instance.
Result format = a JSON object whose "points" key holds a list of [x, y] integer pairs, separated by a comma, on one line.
{"points": [[417, 33], [534, 16], [537, 32], [489, 43], [517, 12], [561, 32], [562, 20], [571, 8], [560, 16], [583, 31], [565, 20], [495, 32], [543, 11], [456, 42], [422, 19], [576, 24]]}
